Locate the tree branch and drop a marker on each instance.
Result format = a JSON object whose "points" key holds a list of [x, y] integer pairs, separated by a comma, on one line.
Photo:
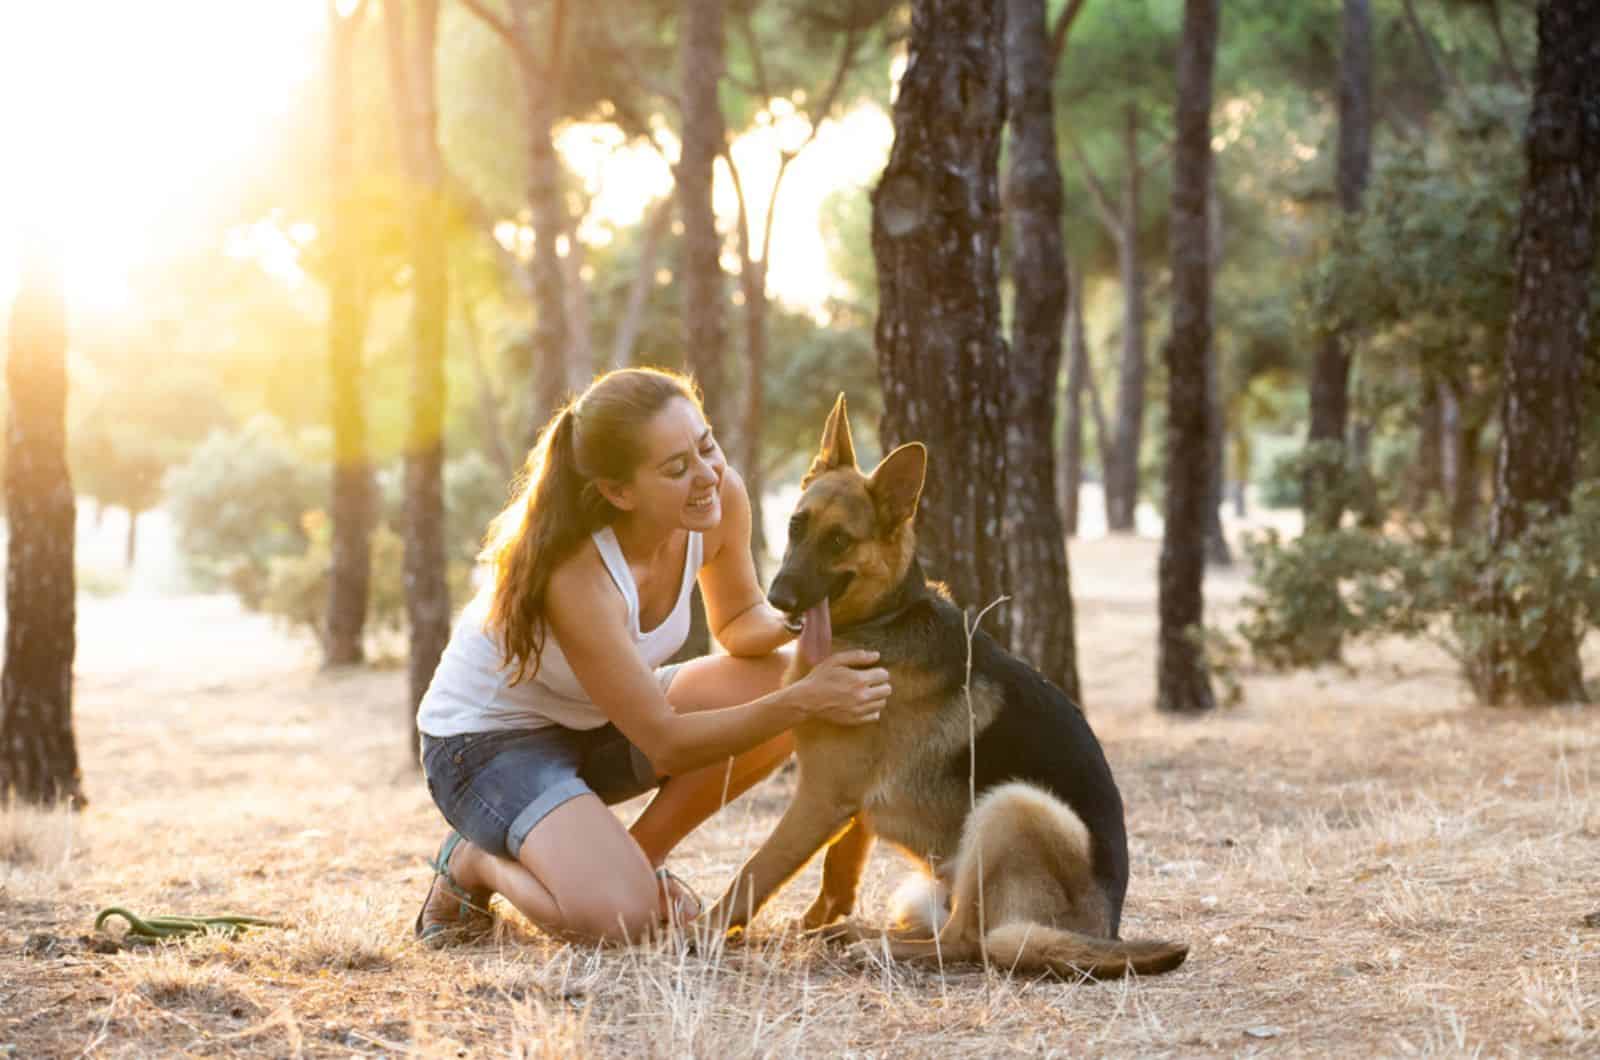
{"points": [[1059, 32], [1505, 47], [1097, 191], [1443, 74], [501, 27]]}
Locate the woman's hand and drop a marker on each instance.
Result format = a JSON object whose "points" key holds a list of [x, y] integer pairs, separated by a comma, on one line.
{"points": [[844, 689]]}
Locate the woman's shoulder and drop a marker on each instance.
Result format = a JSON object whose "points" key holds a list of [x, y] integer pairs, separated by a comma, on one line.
{"points": [[581, 585]]}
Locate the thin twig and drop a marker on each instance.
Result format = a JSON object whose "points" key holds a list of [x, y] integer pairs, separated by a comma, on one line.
{"points": [[972, 767]]}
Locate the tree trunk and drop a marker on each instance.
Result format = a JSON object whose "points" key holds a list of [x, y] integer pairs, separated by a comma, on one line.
{"points": [[580, 332], [1217, 552], [701, 61], [1069, 478], [352, 500], [427, 594], [1122, 464], [942, 360], [753, 284], [551, 332], [1183, 685], [701, 67], [38, 751], [1428, 479], [644, 278], [1330, 369], [1540, 409], [130, 544], [1041, 583]]}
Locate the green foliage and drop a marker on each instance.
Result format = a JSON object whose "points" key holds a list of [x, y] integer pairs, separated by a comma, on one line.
{"points": [[239, 501], [249, 506], [296, 587], [1418, 587]]}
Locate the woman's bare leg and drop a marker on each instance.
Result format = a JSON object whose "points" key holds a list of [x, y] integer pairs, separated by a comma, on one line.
{"points": [[685, 801], [579, 872]]}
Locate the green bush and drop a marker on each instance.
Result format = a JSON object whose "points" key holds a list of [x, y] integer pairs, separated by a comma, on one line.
{"points": [[239, 502], [1422, 588], [250, 511]]}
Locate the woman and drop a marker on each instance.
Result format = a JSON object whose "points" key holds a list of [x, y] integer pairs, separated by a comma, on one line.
{"points": [[551, 700]]}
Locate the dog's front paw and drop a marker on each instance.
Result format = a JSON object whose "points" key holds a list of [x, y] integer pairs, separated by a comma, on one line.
{"points": [[822, 913]]}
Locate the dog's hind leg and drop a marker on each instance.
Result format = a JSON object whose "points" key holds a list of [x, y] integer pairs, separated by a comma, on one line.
{"points": [[842, 866]]}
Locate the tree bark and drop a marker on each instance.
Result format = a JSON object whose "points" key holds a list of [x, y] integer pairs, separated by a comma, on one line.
{"points": [[701, 63], [1217, 552], [551, 332], [351, 503], [1330, 369], [1540, 408], [700, 57], [1069, 478], [1183, 684], [1122, 465], [1041, 583], [942, 360], [644, 277], [38, 750], [412, 71]]}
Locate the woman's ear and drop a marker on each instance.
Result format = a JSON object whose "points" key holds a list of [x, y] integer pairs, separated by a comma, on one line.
{"points": [[618, 494]]}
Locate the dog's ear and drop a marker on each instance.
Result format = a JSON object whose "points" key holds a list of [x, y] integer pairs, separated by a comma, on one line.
{"points": [[896, 483], [836, 450]]}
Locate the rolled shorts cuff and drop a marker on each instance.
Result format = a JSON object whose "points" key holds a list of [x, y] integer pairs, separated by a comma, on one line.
{"points": [[540, 808]]}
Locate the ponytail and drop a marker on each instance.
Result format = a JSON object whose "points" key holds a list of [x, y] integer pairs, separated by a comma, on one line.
{"points": [[539, 528], [556, 504]]}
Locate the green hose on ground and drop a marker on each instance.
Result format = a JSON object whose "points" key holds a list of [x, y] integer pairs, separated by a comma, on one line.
{"points": [[172, 927]]}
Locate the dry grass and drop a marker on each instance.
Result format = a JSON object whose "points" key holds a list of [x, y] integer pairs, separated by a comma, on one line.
{"points": [[1362, 861]]}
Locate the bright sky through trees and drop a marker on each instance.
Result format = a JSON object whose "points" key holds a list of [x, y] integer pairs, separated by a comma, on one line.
{"points": [[121, 115], [133, 122]]}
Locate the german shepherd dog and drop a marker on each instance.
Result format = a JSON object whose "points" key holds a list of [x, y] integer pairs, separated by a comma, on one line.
{"points": [[1037, 865]]}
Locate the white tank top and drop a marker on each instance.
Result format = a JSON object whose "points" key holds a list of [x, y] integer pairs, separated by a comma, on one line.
{"points": [[471, 689]]}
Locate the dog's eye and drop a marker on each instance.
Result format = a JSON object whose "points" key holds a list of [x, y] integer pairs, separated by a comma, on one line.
{"points": [[837, 541]]}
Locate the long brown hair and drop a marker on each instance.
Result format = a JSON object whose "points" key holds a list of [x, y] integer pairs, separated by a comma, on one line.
{"points": [[557, 504]]}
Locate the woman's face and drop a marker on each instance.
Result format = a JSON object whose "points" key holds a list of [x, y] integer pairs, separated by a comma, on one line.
{"points": [[679, 482]]}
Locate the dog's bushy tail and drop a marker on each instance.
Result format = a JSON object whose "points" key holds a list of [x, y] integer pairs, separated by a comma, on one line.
{"points": [[1036, 948]]}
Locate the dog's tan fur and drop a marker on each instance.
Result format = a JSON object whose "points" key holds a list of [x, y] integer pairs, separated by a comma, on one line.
{"points": [[1038, 907]]}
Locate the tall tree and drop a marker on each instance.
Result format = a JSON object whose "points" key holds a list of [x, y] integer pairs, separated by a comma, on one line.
{"points": [[1540, 410], [1041, 584], [942, 358], [855, 18], [411, 55], [542, 71], [353, 498], [1069, 468], [1330, 369], [1121, 221], [1182, 683], [1122, 463], [700, 57], [38, 751]]}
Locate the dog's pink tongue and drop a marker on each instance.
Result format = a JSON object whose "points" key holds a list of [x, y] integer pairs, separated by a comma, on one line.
{"points": [[816, 634]]}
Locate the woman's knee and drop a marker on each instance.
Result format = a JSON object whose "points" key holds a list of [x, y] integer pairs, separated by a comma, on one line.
{"points": [[619, 912]]}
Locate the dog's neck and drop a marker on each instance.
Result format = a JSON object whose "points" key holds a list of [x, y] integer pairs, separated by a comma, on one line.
{"points": [[907, 593]]}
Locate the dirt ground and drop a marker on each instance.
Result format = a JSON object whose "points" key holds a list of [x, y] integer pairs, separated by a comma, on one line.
{"points": [[1362, 861]]}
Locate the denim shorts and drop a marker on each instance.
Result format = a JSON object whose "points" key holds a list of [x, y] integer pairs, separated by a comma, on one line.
{"points": [[493, 787]]}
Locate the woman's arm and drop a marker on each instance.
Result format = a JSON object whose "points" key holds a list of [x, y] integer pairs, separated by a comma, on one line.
{"points": [[589, 618], [736, 609]]}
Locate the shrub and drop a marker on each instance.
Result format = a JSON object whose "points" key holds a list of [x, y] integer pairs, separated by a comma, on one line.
{"points": [[238, 502], [1419, 587]]}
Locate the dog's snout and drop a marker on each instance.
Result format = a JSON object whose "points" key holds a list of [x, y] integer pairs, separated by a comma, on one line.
{"points": [[783, 596]]}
